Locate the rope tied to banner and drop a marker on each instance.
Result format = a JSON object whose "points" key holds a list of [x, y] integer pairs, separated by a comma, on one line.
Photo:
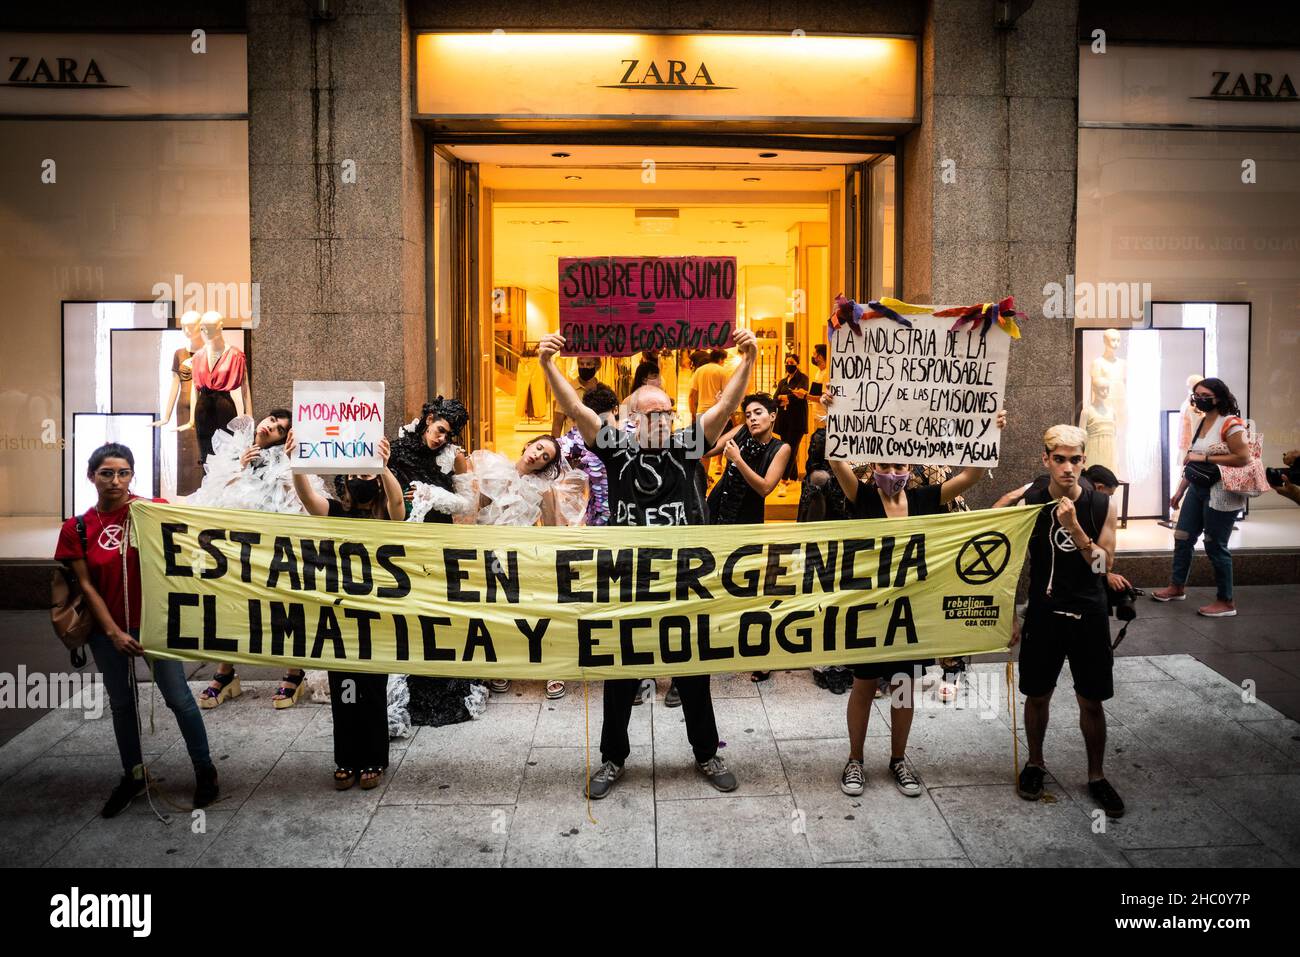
{"points": [[1011, 708], [586, 708]]}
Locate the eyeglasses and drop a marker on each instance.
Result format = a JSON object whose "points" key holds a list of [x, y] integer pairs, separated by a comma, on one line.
{"points": [[660, 415], [108, 474]]}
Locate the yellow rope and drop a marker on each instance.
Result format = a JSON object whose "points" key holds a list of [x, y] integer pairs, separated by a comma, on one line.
{"points": [[586, 708]]}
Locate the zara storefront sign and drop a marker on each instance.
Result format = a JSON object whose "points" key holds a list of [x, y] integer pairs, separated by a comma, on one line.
{"points": [[66, 74], [1189, 88], [1250, 86], [93, 75], [647, 75], [775, 81]]}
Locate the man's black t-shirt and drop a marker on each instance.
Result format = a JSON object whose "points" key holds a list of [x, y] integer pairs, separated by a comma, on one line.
{"points": [[923, 500], [1055, 561], [652, 486]]}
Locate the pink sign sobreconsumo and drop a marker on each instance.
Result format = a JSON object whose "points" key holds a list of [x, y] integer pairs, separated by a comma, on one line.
{"points": [[621, 305]]}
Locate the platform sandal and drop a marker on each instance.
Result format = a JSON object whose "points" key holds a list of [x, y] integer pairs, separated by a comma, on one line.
{"points": [[344, 778], [376, 775], [227, 687], [287, 695]]}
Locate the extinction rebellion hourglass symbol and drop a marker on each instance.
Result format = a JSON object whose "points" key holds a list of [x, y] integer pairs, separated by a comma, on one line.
{"points": [[983, 557]]}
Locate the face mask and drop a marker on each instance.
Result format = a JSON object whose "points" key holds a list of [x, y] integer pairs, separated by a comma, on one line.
{"points": [[790, 367], [362, 491], [584, 373], [1204, 404], [890, 483]]}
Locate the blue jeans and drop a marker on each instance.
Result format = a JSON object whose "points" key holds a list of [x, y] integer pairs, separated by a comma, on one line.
{"points": [[1195, 519], [170, 677]]}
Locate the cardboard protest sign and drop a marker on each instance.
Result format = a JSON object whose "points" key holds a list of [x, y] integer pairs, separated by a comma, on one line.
{"points": [[919, 395], [337, 426], [620, 305]]}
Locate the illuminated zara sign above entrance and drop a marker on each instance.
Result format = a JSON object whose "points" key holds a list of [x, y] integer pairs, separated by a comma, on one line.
{"points": [[647, 75], [778, 82]]}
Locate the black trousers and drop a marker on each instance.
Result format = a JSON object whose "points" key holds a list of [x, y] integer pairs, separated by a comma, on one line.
{"points": [[360, 713], [793, 440], [697, 706]]}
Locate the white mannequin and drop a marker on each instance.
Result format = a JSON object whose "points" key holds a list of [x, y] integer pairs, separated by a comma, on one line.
{"points": [[190, 326], [1098, 420], [1112, 370], [1189, 418]]}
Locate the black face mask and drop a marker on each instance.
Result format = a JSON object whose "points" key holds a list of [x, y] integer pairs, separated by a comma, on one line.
{"points": [[791, 367], [1204, 404], [362, 491], [584, 373]]}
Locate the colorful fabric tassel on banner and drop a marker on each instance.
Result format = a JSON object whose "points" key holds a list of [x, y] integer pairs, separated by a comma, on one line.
{"points": [[851, 314], [887, 308], [847, 313], [986, 314]]}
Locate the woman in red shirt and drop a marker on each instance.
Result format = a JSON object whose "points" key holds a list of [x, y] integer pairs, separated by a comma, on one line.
{"points": [[108, 570]]}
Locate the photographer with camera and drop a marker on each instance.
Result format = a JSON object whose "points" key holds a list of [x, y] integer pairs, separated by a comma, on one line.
{"points": [[1286, 482], [1209, 509]]}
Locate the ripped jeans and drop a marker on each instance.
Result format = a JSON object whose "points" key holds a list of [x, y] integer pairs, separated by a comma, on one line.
{"points": [[1195, 519]]}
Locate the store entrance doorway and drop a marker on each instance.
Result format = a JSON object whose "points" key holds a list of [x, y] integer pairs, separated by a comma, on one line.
{"points": [[801, 225]]}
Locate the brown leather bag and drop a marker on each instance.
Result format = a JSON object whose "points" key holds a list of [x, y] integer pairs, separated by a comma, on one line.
{"points": [[70, 613]]}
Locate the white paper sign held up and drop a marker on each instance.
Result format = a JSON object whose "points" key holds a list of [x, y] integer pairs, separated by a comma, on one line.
{"points": [[337, 426]]}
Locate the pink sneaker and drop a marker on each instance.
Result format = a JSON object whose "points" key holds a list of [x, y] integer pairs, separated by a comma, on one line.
{"points": [[1170, 593], [1218, 609]]}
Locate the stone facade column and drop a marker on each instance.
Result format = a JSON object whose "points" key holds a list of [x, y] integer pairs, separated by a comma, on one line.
{"points": [[336, 186], [1002, 106]]}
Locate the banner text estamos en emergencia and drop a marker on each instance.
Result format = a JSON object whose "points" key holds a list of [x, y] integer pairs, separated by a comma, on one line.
{"points": [[501, 602]]}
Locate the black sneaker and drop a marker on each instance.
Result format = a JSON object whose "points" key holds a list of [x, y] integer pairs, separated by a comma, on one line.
{"points": [[1030, 785], [602, 782], [904, 779], [853, 779], [128, 789], [672, 699], [1106, 797], [205, 786], [716, 771]]}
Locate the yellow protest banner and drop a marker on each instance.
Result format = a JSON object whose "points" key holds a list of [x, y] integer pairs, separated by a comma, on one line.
{"points": [[501, 602]]}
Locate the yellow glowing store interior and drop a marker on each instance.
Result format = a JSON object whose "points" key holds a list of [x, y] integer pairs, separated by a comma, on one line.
{"points": [[780, 214]]}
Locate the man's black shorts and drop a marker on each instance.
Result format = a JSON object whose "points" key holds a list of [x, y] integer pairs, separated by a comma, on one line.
{"points": [[885, 670], [1049, 638]]}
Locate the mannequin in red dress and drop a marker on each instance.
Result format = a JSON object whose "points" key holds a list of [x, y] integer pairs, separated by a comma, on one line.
{"points": [[220, 389]]}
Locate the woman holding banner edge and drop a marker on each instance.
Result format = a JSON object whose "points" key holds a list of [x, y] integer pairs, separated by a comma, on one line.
{"points": [[885, 495], [358, 700]]}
